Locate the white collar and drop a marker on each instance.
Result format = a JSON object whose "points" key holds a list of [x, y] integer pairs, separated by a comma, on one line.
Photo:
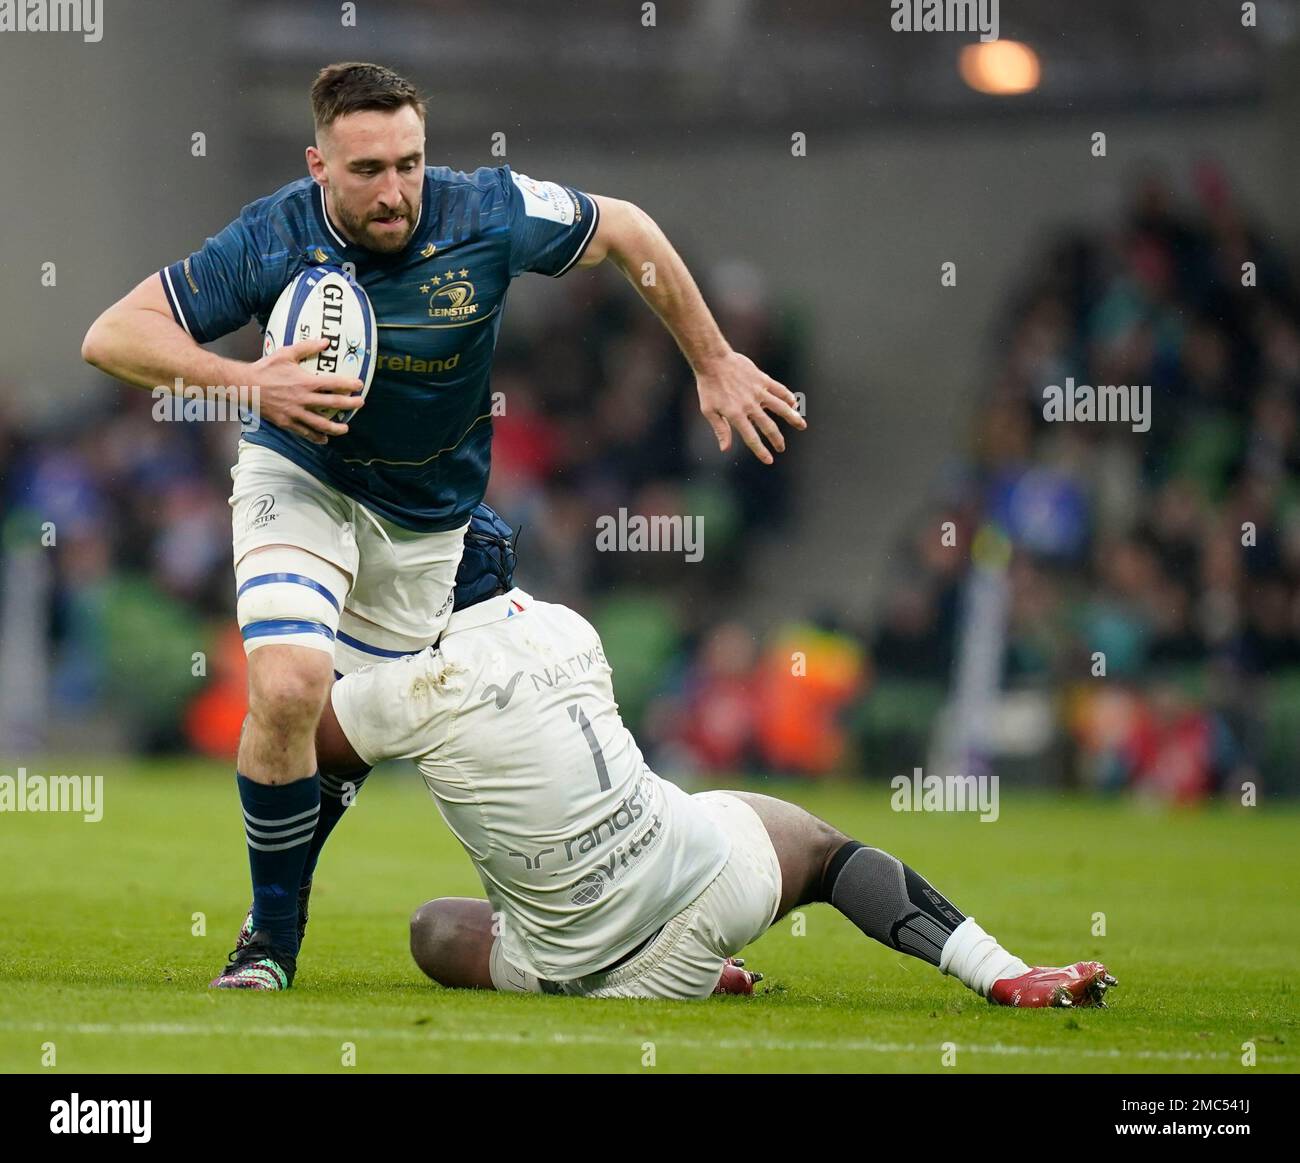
{"points": [[491, 610]]}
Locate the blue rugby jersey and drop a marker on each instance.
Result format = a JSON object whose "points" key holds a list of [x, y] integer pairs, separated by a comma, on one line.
{"points": [[418, 452]]}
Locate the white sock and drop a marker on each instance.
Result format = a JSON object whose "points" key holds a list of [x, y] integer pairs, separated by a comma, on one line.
{"points": [[976, 959]]}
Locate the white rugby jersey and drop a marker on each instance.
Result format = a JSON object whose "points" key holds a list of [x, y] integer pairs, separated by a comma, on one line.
{"points": [[511, 718]]}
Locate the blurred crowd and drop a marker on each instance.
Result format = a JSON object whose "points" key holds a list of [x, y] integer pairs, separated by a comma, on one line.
{"points": [[1153, 578]]}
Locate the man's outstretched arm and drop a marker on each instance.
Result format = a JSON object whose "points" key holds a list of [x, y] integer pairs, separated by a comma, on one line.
{"points": [[734, 393]]}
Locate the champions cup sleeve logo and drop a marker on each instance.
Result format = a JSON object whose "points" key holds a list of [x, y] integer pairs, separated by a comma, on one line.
{"points": [[547, 200]]}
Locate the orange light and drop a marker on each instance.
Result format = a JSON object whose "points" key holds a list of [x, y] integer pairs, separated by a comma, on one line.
{"points": [[1000, 66]]}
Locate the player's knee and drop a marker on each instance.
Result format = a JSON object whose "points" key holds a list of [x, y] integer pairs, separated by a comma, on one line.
{"points": [[289, 696], [826, 841]]}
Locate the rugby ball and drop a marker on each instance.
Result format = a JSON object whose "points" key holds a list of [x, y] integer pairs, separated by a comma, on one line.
{"points": [[323, 303]]}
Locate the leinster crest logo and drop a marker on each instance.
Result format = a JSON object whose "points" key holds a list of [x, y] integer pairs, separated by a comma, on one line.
{"points": [[454, 302], [260, 512]]}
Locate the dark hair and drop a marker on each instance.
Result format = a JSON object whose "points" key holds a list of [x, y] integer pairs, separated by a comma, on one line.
{"points": [[352, 86]]}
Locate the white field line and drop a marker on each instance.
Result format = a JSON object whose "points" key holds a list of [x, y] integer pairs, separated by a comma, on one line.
{"points": [[847, 1045]]}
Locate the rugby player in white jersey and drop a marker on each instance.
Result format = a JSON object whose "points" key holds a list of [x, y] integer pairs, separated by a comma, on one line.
{"points": [[603, 879]]}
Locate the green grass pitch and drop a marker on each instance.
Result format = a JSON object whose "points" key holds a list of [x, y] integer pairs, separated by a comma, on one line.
{"points": [[98, 956]]}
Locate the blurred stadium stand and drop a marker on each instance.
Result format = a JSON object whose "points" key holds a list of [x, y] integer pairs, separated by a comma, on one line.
{"points": [[825, 269]]}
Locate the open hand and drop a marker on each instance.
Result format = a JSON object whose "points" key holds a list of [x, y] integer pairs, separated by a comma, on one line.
{"points": [[735, 393]]}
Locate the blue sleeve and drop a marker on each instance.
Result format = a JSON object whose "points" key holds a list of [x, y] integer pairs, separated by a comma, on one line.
{"points": [[230, 279], [550, 224]]}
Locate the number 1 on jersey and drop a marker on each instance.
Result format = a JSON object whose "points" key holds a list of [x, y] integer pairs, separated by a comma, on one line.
{"points": [[579, 716]]}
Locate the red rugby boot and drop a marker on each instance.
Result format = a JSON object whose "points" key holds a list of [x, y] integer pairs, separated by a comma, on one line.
{"points": [[736, 979], [1082, 984]]}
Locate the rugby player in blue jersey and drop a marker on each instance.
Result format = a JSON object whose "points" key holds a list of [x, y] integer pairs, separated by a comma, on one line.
{"points": [[347, 535]]}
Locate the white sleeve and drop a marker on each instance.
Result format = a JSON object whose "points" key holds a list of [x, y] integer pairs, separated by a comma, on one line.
{"points": [[396, 710]]}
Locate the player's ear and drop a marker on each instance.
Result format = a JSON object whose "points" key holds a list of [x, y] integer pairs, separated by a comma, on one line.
{"points": [[316, 165]]}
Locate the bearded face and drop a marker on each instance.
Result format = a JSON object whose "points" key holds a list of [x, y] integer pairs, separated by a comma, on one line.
{"points": [[371, 164]]}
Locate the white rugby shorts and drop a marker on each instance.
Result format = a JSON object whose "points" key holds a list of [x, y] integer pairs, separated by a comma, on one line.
{"points": [[400, 595], [686, 959]]}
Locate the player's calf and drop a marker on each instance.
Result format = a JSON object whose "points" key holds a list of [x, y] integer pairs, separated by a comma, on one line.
{"points": [[341, 774]]}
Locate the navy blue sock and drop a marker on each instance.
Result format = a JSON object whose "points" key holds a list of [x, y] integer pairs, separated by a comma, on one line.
{"points": [[335, 798], [278, 824]]}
